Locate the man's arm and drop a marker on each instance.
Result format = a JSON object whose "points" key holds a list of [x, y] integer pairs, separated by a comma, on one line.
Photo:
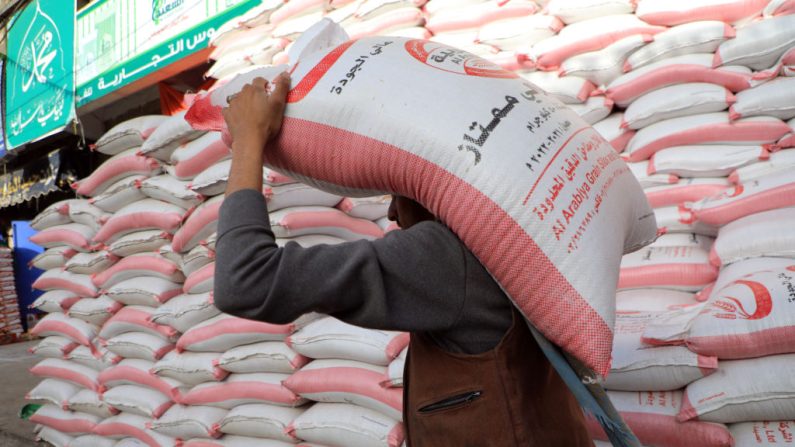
{"points": [[411, 280]]}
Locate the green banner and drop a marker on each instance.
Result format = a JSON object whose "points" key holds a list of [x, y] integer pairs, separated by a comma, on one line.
{"points": [[40, 82], [122, 41]]}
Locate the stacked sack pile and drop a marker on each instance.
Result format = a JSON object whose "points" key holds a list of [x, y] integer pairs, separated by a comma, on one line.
{"points": [[136, 352], [695, 95], [698, 98], [10, 325]]}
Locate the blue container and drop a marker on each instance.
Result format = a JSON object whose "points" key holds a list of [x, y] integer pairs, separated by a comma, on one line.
{"points": [[24, 252]]}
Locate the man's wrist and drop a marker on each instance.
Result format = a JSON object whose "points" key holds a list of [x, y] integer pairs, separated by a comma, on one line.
{"points": [[249, 144]]}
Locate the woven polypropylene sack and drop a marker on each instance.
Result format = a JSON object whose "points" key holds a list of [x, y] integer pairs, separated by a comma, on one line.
{"points": [[545, 221]]}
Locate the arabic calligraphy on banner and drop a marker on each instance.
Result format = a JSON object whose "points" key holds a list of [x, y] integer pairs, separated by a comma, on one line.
{"points": [[40, 71], [121, 41]]}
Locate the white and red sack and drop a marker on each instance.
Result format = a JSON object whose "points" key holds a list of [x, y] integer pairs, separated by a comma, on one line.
{"points": [[764, 234], [92, 441], [61, 279], [571, 11], [695, 37], [674, 12], [260, 421], [568, 89], [135, 319], [297, 194], [201, 223], [749, 317], [774, 98], [139, 345], [54, 347], [146, 214], [89, 401], [637, 367], [394, 372], [479, 14], [679, 268], [685, 191], [778, 162], [263, 357], [768, 433], [198, 257], [705, 160], [128, 134], [54, 391], [763, 194], [758, 45], [610, 129], [138, 400], [678, 219], [201, 280], [94, 311], [674, 101], [134, 426], [300, 221], [348, 425], [225, 332], [588, 35], [172, 190], [55, 214], [186, 422], [55, 257], [512, 34], [72, 328], [241, 389], [760, 389], [186, 311], [651, 415], [190, 368], [707, 128], [73, 235], [63, 420], [169, 135], [240, 441], [97, 358], [90, 263], [323, 113], [56, 301], [53, 436], [200, 154], [123, 164], [593, 110], [83, 212], [139, 242], [136, 266], [330, 338], [347, 381], [144, 291], [120, 194], [687, 68], [65, 370], [604, 66], [137, 372]]}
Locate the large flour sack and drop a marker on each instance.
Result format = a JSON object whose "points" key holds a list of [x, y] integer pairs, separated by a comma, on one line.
{"points": [[528, 186]]}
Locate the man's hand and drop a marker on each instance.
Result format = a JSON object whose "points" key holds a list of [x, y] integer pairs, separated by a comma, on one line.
{"points": [[253, 117]]}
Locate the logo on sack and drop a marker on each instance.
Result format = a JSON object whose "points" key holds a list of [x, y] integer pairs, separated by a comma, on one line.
{"points": [[732, 308], [455, 61]]}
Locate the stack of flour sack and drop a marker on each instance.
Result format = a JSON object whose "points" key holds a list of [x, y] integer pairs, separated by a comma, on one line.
{"points": [[134, 351], [10, 325], [705, 315]]}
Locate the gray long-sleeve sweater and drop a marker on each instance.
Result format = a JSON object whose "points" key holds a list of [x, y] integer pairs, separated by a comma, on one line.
{"points": [[422, 279]]}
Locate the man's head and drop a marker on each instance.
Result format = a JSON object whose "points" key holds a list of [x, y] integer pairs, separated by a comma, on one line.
{"points": [[407, 212]]}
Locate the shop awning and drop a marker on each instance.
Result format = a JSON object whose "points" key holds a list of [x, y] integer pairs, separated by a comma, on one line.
{"points": [[35, 179]]}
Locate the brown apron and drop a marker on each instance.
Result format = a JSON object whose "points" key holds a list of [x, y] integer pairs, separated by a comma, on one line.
{"points": [[508, 396]]}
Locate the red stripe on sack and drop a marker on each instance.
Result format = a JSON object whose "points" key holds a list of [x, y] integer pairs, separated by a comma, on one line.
{"points": [[311, 79], [544, 295]]}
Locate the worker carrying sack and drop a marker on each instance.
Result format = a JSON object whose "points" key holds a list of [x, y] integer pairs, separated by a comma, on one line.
{"points": [[541, 199]]}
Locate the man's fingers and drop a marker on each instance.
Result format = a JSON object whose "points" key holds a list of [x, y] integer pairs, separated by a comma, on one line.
{"points": [[260, 82], [282, 87]]}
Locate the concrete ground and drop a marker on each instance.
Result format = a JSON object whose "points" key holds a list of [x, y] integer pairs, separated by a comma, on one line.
{"points": [[15, 381]]}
